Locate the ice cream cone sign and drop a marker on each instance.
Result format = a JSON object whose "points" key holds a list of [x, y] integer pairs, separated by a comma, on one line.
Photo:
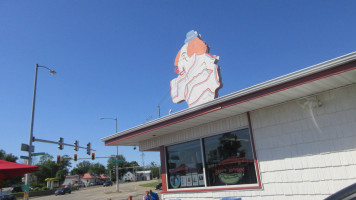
{"points": [[198, 78]]}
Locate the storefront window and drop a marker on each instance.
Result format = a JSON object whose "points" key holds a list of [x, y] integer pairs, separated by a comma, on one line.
{"points": [[229, 159], [185, 166]]}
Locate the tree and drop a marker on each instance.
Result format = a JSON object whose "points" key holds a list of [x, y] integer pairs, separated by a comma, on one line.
{"points": [[49, 169], [65, 163], [61, 174], [44, 158], [124, 166], [154, 169], [81, 168], [97, 168]]}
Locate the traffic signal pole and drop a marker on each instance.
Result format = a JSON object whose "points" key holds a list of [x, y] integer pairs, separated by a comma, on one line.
{"points": [[59, 143]]}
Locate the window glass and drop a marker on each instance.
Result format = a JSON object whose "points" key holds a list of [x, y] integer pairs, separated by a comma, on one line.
{"points": [[184, 165], [229, 159]]}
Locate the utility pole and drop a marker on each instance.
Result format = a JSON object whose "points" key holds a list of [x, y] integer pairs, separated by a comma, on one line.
{"points": [[117, 155], [28, 176], [143, 159], [159, 111]]}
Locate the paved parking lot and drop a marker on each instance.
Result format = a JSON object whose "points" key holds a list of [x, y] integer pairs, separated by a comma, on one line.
{"points": [[105, 193]]}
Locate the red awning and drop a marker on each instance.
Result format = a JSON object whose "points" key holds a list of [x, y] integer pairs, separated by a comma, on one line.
{"points": [[11, 169]]}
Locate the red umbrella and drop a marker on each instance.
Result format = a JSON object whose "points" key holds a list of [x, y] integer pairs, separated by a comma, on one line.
{"points": [[11, 169]]}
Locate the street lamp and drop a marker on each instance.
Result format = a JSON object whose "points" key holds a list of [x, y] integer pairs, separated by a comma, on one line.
{"points": [[28, 176], [117, 154]]}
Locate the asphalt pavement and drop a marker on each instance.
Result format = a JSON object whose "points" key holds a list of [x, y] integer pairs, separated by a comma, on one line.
{"points": [[105, 193]]}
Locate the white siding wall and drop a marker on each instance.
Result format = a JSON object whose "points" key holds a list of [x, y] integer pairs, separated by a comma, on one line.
{"points": [[296, 159], [220, 126]]}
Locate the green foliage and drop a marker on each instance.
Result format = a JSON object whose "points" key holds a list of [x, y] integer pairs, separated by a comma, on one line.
{"points": [[125, 165], [36, 184], [45, 188], [61, 174], [151, 185], [44, 158], [97, 168], [36, 189], [8, 157], [49, 169], [155, 170], [81, 168]]}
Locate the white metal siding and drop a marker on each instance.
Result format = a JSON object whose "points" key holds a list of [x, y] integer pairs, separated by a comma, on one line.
{"points": [[296, 159], [219, 126]]}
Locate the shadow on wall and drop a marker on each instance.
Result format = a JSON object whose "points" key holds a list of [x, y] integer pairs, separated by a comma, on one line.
{"points": [[320, 124]]}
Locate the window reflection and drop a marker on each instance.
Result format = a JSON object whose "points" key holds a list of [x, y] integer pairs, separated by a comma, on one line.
{"points": [[185, 166], [229, 159]]}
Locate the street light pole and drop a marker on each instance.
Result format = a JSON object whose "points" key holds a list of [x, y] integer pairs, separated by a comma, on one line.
{"points": [[28, 176], [117, 155]]}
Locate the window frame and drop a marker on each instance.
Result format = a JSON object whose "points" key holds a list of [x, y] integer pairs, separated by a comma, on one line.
{"points": [[257, 185]]}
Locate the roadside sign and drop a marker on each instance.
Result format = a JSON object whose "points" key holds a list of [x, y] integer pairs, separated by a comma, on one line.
{"points": [[25, 147], [38, 154], [117, 161], [25, 187], [24, 157]]}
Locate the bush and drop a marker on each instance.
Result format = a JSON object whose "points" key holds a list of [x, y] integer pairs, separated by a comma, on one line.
{"points": [[36, 189], [45, 188]]}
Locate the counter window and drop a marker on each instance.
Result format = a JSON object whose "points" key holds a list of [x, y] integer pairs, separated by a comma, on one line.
{"points": [[185, 166], [229, 159]]}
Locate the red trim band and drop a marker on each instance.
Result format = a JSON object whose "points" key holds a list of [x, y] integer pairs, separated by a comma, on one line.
{"points": [[245, 98]]}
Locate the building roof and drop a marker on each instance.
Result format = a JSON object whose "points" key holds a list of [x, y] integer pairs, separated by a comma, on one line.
{"points": [[103, 176], [318, 78], [90, 176]]}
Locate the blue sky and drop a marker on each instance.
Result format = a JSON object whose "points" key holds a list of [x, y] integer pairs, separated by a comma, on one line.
{"points": [[115, 59]]}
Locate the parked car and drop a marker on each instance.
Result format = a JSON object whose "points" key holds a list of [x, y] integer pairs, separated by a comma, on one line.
{"points": [[63, 191], [159, 186], [7, 197], [16, 189], [81, 184], [107, 183], [347, 193]]}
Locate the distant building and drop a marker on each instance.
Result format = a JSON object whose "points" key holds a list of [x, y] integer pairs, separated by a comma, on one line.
{"points": [[128, 176], [103, 177], [52, 183], [143, 175], [87, 178], [73, 179]]}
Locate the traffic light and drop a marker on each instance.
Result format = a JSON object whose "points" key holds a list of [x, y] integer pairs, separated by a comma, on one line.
{"points": [[60, 143], [93, 156], [76, 145], [75, 157], [58, 160], [88, 148]]}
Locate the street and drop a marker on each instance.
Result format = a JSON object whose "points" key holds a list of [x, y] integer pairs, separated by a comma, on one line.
{"points": [[105, 193]]}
